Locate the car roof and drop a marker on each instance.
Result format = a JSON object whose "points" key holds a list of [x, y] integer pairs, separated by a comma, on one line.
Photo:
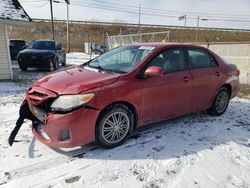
{"points": [[170, 45], [45, 40], [17, 40]]}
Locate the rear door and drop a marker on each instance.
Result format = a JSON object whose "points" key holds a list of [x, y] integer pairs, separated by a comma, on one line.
{"points": [[167, 95], [206, 78]]}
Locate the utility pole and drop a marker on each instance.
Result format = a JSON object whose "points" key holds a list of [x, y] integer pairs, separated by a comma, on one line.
{"points": [[140, 30], [52, 20], [184, 17], [196, 34], [68, 39], [139, 15]]}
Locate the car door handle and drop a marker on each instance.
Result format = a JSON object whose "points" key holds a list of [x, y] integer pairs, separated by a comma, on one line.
{"points": [[218, 73], [186, 79]]}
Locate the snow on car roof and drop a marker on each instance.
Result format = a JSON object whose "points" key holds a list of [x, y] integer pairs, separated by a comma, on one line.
{"points": [[12, 10]]}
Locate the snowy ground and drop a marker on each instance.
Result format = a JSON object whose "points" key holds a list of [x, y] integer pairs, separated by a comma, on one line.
{"points": [[192, 151]]}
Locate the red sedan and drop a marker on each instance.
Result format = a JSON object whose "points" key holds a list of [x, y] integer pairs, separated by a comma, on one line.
{"points": [[106, 99]]}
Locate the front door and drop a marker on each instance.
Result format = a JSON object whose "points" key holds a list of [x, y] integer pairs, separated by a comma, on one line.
{"points": [[167, 95]]}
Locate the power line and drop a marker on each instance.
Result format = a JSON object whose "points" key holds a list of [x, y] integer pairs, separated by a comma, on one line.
{"points": [[152, 11], [120, 9], [155, 10], [117, 9]]}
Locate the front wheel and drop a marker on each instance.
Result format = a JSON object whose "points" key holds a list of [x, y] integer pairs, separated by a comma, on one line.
{"points": [[220, 102], [23, 68], [113, 127], [55, 65]]}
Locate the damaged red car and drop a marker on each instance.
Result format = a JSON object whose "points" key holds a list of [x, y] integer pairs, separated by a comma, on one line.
{"points": [[108, 98]]}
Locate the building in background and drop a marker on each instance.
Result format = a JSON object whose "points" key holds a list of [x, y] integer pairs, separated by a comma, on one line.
{"points": [[11, 13]]}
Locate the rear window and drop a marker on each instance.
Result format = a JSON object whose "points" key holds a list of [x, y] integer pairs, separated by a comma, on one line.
{"points": [[17, 43], [42, 45], [226, 61], [200, 59]]}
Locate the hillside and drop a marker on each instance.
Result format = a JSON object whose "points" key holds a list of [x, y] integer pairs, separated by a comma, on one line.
{"points": [[80, 33]]}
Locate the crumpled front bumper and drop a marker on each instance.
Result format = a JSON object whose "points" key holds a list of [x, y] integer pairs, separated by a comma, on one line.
{"points": [[69, 130]]}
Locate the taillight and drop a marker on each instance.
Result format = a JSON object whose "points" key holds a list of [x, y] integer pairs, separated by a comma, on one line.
{"points": [[238, 72]]}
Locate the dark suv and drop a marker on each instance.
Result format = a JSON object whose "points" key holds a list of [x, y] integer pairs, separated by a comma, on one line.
{"points": [[42, 54], [15, 47]]}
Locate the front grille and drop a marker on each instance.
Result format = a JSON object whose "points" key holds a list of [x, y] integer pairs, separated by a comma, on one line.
{"points": [[32, 58], [40, 99]]}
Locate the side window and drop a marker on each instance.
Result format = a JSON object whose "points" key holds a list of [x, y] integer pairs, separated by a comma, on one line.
{"points": [[200, 59], [58, 45], [171, 60], [213, 61], [174, 60]]}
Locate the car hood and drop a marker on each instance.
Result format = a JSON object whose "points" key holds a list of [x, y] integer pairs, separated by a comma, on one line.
{"points": [[34, 51], [75, 80]]}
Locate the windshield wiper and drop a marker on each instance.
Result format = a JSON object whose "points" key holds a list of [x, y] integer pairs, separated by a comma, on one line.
{"points": [[119, 71], [101, 68], [84, 64]]}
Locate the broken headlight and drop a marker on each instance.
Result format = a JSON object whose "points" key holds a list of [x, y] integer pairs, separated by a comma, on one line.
{"points": [[65, 103]]}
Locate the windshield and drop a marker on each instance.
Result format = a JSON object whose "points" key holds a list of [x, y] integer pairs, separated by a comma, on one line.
{"points": [[42, 45], [122, 59]]}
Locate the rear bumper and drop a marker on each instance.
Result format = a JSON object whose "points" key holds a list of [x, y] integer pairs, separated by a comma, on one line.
{"points": [[67, 130], [235, 88]]}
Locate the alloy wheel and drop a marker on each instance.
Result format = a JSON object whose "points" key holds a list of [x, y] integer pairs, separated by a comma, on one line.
{"points": [[222, 101], [115, 127]]}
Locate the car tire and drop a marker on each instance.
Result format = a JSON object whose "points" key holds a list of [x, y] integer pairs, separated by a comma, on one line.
{"points": [[55, 65], [64, 62], [220, 102], [23, 68], [113, 126]]}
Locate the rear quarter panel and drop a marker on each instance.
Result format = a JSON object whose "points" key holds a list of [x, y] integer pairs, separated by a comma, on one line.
{"points": [[230, 73]]}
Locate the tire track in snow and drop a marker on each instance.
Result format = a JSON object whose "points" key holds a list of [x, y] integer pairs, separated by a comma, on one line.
{"points": [[48, 164], [65, 173]]}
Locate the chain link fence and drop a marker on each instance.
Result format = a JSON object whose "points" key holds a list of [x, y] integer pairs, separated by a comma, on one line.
{"points": [[118, 40]]}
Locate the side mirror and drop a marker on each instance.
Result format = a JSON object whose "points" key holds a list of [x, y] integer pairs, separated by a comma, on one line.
{"points": [[153, 71]]}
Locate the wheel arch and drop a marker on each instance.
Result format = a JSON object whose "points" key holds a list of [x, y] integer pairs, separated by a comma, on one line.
{"points": [[229, 87], [125, 103]]}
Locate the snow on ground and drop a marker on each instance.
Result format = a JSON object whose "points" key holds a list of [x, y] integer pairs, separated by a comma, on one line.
{"points": [[191, 151]]}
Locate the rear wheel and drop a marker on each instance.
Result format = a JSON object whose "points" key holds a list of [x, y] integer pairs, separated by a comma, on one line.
{"points": [[113, 127], [220, 102], [64, 61]]}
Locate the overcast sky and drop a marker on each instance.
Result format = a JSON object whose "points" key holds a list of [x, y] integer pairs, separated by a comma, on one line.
{"points": [[161, 11]]}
